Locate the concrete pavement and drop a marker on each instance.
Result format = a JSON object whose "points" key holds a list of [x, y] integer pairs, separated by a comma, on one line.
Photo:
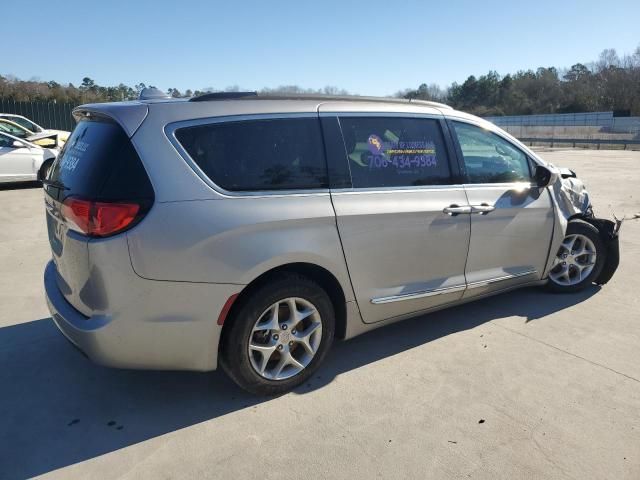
{"points": [[523, 385]]}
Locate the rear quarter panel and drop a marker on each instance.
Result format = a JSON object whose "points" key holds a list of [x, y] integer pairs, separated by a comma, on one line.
{"points": [[236, 239]]}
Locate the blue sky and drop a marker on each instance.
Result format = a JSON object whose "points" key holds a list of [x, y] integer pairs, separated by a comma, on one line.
{"points": [[367, 47]]}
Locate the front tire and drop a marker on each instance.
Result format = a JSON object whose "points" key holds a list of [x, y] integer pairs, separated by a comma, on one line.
{"points": [[579, 260], [279, 335]]}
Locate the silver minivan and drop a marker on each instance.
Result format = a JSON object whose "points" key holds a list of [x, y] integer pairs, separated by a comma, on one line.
{"points": [[250, 231]]}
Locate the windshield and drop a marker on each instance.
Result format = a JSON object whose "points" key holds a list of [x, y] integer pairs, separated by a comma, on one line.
{"points": [[13, 130], [26, 123]]}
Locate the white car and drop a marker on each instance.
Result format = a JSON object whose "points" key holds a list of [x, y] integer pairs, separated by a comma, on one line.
{"points": [[34, 127], [23, 161]]}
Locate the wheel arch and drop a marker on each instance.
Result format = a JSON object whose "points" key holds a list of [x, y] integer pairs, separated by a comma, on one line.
{"points": [[323, 277], [43, 165]]}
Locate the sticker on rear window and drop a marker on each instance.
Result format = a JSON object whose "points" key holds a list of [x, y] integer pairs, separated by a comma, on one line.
{"points": [[72, 157]]}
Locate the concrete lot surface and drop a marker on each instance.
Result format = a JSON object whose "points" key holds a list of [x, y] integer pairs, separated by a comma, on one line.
{"points": [[522, 385]]}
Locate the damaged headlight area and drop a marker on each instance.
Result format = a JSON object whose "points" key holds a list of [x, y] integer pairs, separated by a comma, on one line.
{"points": [[572, 195]]}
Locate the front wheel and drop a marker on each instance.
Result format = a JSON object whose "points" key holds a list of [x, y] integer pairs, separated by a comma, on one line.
{"points": [[579, 260], [279, 335]]}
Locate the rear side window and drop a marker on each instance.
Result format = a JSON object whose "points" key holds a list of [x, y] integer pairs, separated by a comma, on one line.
{"points": [[99, 162], [277, 154], [395, 152]]}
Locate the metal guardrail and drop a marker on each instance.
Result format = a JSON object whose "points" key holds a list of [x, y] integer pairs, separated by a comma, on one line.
{"points": [[579, 141]]}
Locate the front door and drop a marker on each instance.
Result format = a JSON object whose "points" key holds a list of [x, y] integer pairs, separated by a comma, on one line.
{"points": [[16, 163], [404, 238], [511, 219]]}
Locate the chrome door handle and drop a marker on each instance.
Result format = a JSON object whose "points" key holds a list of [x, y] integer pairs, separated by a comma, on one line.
{"points": [[482, 209], [454, 210]]}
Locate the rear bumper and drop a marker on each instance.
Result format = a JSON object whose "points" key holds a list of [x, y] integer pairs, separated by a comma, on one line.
{"points": [[164, 326]]}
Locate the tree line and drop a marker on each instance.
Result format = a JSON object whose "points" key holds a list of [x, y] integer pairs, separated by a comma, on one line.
{"points": [[88, 91], [610, 83]]}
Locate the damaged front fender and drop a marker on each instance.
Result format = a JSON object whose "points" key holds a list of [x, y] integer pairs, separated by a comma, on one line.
{"points": [[572, 200]]}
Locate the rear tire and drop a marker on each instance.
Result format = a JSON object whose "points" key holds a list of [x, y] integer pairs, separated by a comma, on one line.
{"points": [[579, 259], [279, 335]]}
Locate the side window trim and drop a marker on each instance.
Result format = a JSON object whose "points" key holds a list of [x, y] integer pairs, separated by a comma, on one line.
{"points": [[456, 163], [335, 153], [455, 179], [171, 129], [464, 178]]}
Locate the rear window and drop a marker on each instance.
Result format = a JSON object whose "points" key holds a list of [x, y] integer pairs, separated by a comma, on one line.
{"points": [[99, 162], [257, 155]]}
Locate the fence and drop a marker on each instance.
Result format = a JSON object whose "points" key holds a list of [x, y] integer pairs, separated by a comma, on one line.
{"points": [[52, 115], [581, 141], [606, 122]]}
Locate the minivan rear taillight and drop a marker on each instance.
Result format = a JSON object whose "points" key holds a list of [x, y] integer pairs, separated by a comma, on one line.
{"points": [[100, 219]]}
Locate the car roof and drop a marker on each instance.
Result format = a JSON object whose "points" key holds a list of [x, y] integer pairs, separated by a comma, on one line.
{"points": [[318, 98], [217, 96], [164, 110]]}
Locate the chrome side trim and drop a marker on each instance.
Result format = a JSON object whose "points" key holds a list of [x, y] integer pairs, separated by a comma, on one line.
{"points": [[445, 290], [506, 186], [413, 296], [397, 190], [484, 283]]}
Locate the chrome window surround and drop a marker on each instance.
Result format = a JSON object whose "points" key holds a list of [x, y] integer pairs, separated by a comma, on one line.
{"points": [[170, 132], [171, 128], [520, 147], [406, 188], [431, 116], [453, 289]]}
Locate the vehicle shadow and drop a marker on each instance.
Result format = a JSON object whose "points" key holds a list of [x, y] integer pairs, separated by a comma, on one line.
{"points": [[19, 185], [59, 409]]}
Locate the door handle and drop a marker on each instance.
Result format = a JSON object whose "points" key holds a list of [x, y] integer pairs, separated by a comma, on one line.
{"points": [[482, 209], [454, 209]]}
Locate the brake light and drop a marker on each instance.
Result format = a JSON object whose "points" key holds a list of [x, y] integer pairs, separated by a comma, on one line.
{"points": [[99, 219]]}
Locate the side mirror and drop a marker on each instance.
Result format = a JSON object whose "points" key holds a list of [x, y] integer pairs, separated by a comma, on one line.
{"points": [[18, 144], [542, 177]]}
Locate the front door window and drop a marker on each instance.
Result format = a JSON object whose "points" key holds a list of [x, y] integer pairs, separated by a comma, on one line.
{"points": [[488, 158]]}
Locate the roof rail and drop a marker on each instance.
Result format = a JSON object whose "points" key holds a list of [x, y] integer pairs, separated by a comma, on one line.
{"points": [[222, 96], [349, 98], [314, 96]]}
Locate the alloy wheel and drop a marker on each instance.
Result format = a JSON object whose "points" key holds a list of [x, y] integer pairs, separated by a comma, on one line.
{"points": [[575, 260], [285, 338]]}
